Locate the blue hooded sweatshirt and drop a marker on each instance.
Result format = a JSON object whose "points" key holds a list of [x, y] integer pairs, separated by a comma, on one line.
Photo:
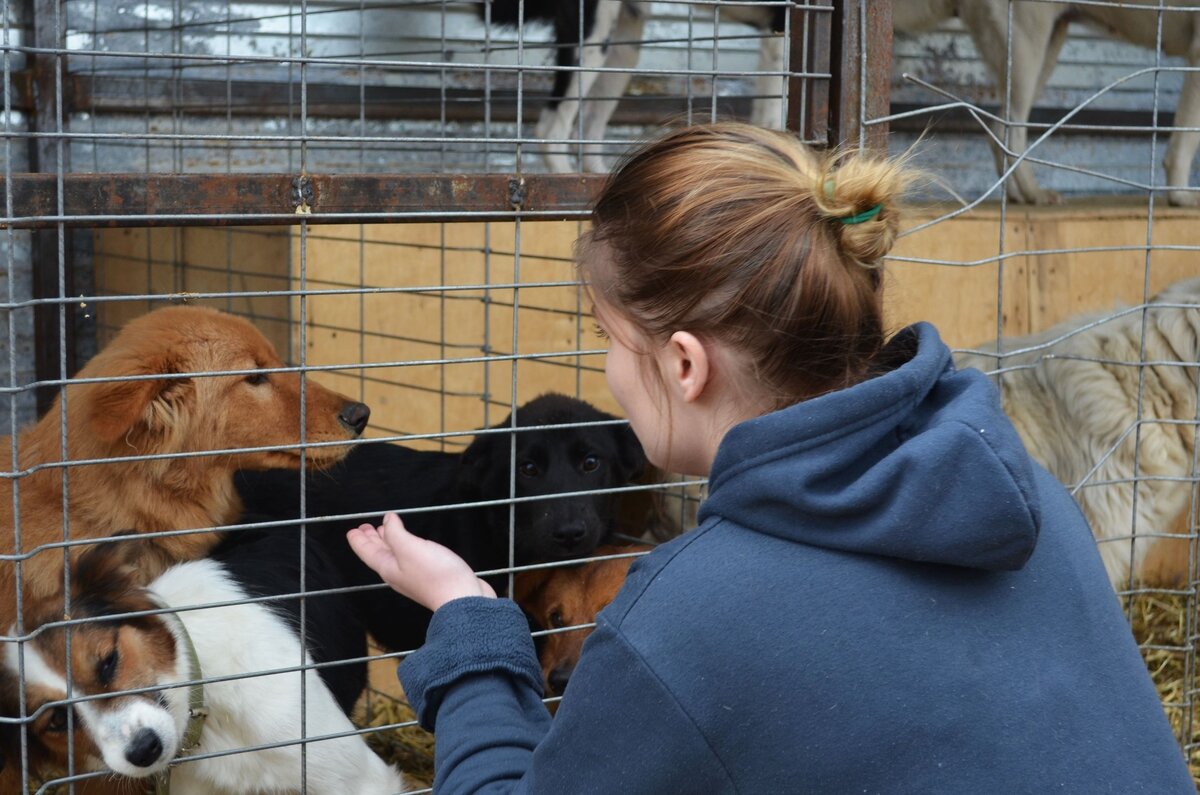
{"points": [[884, 595]]}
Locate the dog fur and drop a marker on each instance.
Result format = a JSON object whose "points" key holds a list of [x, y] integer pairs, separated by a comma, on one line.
{"points": [[1075, 404], [138, 735], [383, 477], [567, 597], [613, 34], [1039, 30], [114, 420], [612, 39]]}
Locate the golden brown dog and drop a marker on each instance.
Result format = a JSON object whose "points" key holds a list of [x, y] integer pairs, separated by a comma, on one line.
{"points": [[112, 422], [567, 597]]}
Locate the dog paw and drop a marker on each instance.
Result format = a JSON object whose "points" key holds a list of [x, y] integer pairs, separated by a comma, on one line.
{"points": [[1184, 198], [596, 164], [558, 163], [1038, 196], [1045, 196]]}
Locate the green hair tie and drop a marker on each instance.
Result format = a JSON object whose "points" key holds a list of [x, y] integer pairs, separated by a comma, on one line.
{"points": [[865, 215]]}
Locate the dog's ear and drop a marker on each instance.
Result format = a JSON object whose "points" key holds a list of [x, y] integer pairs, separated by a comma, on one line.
{"points": [[110, 568], [631, 458], [479, 466], [528, 584], [116, 407]]}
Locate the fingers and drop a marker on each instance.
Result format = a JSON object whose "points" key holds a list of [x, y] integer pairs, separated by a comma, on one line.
{"points": [[393, 531], [370, 547], [422, 570]]}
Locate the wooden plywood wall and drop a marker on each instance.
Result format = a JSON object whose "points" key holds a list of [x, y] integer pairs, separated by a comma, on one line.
{"points": [[443, 301], [133, 262], [1045, 279], [424, 346]]}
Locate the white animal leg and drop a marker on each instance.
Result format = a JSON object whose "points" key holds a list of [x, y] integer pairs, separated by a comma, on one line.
{"points": [[769, 89], [1036, 41], [1182, 148], [610, 86], [555, 124]]}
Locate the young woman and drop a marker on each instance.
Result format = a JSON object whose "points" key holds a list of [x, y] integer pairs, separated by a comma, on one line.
{"points": [[884, 594]]}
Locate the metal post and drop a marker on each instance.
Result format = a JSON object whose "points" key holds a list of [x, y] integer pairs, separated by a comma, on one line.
{"points": [[860, 82], [50, 155]]}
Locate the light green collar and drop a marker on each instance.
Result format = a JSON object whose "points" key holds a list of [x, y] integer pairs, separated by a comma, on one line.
{"points": [[197, 709]]}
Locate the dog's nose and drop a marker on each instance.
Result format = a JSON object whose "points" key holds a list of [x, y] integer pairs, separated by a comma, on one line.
{"points": [[354, 417], [145, 748], [558, 678], [570, 534]]}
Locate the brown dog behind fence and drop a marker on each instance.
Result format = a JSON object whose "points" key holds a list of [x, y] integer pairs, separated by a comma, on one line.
{"points": [[568, 597], [116, 423]]}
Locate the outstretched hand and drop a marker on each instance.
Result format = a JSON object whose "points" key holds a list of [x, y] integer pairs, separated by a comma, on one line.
{"points": [[423, 570]]}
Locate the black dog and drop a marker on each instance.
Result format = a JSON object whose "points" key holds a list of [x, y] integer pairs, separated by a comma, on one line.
{"points": [[376, 478]]}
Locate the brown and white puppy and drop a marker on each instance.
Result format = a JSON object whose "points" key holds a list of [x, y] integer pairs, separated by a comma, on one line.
{"points": [[568, 597], [111, 422], [129, 709]]}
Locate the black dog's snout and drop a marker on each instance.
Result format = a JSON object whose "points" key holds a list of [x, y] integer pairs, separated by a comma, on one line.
{"points": [[570, 534], [558, 678], [354, 416], [145, 748]]}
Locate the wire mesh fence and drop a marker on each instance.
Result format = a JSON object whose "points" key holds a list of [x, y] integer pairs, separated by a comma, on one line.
{"points": [[376, 187]]}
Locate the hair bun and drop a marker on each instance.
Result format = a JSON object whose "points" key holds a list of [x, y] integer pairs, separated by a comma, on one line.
{"points": [[859, 195]]}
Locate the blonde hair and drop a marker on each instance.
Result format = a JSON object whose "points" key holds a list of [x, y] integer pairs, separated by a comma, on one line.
{"points": [[747, 236]]}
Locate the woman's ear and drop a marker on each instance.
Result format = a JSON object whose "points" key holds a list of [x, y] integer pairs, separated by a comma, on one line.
{"points": [[687, 366]]}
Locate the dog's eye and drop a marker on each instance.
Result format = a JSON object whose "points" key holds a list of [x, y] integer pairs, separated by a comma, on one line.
{"points": [[106, 669], [257, 379], [600, 332], [529, 469], [590, 463], [556, 619], [58, 720]]}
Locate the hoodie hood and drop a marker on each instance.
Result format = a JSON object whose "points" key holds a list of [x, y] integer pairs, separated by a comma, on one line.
{"points": [[918, 464]]}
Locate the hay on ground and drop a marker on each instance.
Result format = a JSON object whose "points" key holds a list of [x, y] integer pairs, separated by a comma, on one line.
{"points": [[1160, 625]]}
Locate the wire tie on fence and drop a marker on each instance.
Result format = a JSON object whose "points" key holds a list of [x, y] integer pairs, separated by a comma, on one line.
{"points": [[302, 195], [516, 192]]}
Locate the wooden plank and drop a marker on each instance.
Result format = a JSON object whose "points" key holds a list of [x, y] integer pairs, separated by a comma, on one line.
{"points": [[960, 296], [432, 325], [1066, 285], [164, 261]]}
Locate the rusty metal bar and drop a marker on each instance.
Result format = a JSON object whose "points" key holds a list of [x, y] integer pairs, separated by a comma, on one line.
{"points": [[809, 51], [849, 108], [113, 200], [337, 101], [260, 98]]}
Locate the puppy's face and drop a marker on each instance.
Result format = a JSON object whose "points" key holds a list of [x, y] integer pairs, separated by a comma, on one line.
{"points": [[216, 411], [135, 734], [569, 597], [551, 462]]}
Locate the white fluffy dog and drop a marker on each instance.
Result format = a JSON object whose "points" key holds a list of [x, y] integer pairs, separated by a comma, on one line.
{"points": [[1072, 392]]}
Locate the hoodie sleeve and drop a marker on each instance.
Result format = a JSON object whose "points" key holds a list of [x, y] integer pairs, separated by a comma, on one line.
{"points": [[477, 682]]}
